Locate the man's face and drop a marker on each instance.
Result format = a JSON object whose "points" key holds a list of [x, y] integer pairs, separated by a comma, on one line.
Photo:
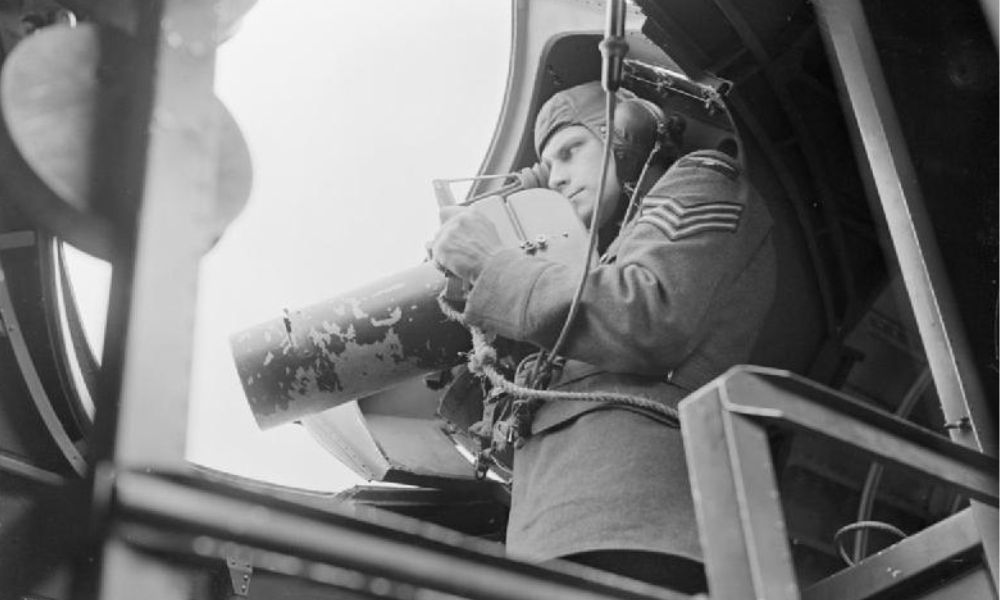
{"points": [[573, 155]]}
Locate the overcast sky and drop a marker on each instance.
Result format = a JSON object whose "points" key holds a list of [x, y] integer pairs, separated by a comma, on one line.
{"points": [[349, 109]]}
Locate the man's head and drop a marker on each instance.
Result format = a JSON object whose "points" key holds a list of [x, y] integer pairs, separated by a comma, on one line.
{"points": [[569, 136], [573, 156]]}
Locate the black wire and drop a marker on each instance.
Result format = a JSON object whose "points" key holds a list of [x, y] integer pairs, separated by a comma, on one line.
{"points": [[602, 183]]}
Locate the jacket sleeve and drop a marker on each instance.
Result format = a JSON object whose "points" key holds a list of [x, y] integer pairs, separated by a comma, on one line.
{"points": [[646, 310]]}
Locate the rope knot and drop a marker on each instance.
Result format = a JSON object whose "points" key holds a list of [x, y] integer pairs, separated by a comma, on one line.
{"points": [[481, 357]]}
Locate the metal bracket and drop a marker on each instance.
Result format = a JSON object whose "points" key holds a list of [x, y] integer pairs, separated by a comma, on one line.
{"points": [[240, 571], [963, 423], [533, 246], [709, 91]]}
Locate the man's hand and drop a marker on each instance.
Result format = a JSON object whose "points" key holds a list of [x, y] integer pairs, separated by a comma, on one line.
{"points": [[465, 241]]}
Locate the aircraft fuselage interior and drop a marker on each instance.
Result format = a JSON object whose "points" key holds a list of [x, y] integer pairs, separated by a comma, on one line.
{"points": [[853, 457]]}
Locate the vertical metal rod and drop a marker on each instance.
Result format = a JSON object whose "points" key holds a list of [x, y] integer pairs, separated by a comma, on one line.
{"points": [[169, 142], [120, 147], [11, 329], [855, 62], [736, 500], [876, 130], [757, 494], [171, 235]]}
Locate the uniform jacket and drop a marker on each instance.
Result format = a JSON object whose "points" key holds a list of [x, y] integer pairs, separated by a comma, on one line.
{"points": [[678, 298]]}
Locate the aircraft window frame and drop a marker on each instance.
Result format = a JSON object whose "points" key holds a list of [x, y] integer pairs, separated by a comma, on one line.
{"points": [[95, 334]]}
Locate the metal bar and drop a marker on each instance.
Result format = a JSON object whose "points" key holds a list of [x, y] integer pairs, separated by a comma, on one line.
{"points": [[33, 381], [760, 507], [120, 146], [778, 396], [160, 203], [855, 63], [988, 520], [438, 559], [171, 235], [51, 276], [15, 466], [83, 363], [916, 556], [774, 395], [736, 500], [720, 498]]}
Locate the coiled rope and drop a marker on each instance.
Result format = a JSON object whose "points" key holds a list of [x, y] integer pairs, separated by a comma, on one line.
{"points": [[483, 357]]}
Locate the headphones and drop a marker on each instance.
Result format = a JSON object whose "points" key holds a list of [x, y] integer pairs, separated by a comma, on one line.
{"points": [[641, 124], [644, 139]]}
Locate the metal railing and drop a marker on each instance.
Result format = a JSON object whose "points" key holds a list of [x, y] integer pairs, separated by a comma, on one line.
{"points": [[737, 501]]}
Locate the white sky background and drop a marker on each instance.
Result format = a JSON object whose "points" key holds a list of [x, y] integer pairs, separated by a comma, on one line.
{"points": [[349, 110]]}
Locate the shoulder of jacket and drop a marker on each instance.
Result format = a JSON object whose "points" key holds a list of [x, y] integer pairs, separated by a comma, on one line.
{"points": [[717, 161], [701, 176], [700, 193]]}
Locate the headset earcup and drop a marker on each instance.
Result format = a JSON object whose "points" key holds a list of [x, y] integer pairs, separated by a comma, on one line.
{"points": [[639, 123]]}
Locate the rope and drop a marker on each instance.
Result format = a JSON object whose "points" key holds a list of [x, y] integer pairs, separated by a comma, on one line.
{"points": [[483, 356]]}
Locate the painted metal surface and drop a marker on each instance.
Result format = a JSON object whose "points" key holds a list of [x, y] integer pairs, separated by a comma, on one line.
{"points": [[389, 331], [350, 346]]}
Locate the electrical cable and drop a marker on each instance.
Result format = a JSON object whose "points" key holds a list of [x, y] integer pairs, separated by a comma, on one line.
{"points": [[862, 526], [874, 477], [574, 307], [613, 50], [632, 201]]}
